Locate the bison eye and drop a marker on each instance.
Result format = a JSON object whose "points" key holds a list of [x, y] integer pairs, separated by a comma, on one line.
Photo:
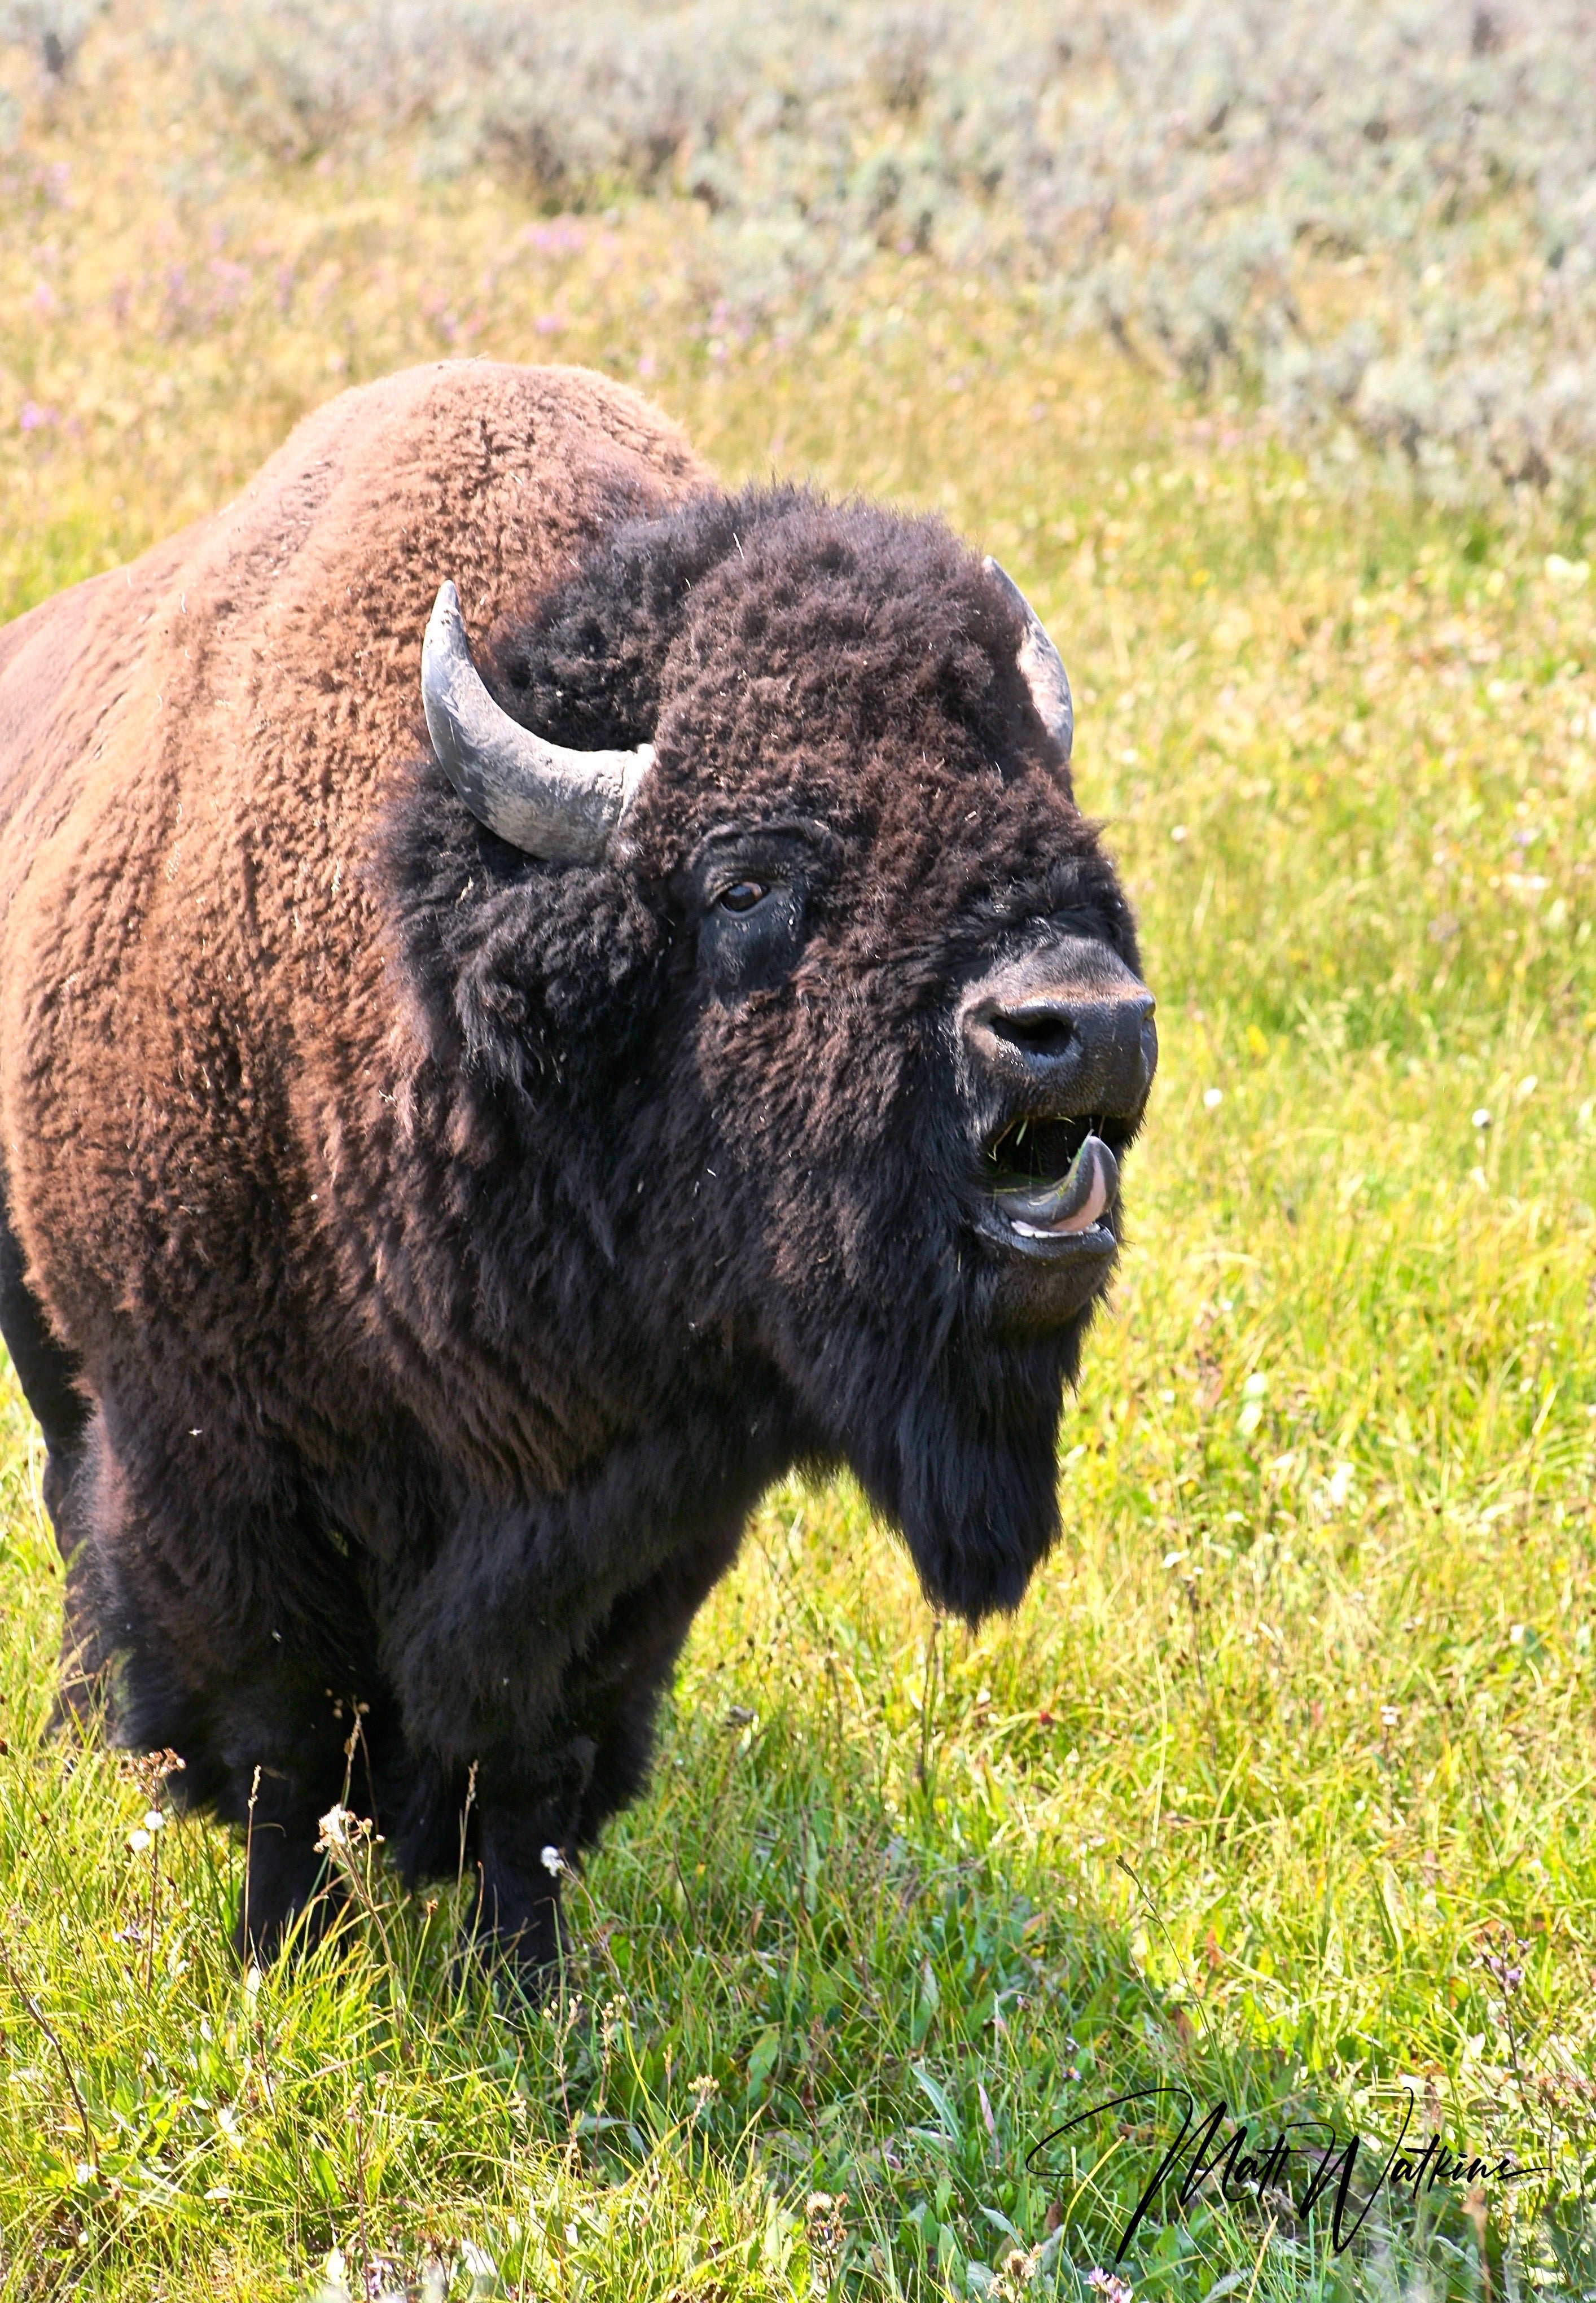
{"points": [[749, 932], [750, 889], [743, 895]]}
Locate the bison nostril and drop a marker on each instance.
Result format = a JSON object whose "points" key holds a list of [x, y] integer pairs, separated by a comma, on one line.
{"points": [[1035, 1031]]}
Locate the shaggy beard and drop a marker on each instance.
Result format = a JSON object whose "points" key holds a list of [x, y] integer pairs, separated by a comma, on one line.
{"points": [[967, 1467]]}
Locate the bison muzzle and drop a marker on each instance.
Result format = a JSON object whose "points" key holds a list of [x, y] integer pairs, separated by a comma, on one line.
{"points": [[535, 995]]}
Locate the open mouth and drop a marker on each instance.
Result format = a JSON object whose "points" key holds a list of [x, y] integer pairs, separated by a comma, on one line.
{"points": [[1051, 1184]]}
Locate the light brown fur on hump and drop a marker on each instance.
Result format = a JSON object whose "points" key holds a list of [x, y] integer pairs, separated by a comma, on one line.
{"points": [[194, 754]]}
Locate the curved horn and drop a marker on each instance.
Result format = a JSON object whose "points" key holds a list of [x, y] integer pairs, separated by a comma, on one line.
{"points": [[544, 798], [1043, 666]]}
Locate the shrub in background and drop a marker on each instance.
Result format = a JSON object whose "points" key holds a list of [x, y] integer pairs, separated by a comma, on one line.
{"points": [[1380, 219]]}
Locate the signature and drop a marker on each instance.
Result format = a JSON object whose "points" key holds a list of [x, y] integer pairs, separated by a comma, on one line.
{"points": [[1331, 2159]]}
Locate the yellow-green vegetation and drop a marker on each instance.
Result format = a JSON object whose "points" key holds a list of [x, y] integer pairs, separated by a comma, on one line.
{"points": [[1279, 1785]]}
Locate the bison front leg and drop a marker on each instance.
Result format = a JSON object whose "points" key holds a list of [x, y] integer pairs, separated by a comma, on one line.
{"points": [[288, 1895], [546, 1638], [610, 1696], [522, 1845]]}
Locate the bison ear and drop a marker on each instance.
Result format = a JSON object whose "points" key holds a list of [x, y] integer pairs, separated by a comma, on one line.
{"points": [[545, 799], [1042, 665]]}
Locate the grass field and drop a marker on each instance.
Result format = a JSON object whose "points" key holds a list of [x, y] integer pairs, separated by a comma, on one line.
{"points": [[1281, 1785]]}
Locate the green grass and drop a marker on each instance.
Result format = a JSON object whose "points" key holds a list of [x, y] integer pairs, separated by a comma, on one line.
{"points": [[1294, 1732]]}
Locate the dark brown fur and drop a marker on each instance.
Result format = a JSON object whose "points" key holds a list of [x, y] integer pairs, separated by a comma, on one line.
{"points": [[430, 1253]]}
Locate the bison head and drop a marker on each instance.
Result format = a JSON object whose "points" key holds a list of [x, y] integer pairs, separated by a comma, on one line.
{"points": [[775, 937]]}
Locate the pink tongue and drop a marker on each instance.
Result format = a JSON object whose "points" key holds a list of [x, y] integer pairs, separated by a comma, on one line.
{"points": [[1074, 1204], [1097, 1202]]}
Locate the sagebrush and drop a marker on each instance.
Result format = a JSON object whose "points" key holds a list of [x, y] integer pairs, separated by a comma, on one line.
{"points": [[1379, 218]]}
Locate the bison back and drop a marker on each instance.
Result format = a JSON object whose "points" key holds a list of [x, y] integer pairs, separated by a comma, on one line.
{"points": [[203, 1036]]}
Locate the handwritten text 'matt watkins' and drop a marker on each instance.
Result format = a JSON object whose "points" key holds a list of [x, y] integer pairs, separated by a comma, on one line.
{"points": [[1207, 2152]]}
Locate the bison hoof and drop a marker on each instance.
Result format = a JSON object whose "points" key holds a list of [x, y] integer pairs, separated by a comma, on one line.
{"points": [[288, 1906], [521, 1963], [518, 1985]]}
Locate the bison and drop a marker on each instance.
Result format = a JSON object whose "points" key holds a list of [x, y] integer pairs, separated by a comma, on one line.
{"points": [[535, 994]]}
